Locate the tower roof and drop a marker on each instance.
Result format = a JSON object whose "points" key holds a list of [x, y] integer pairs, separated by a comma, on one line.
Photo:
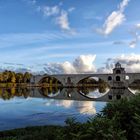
{"points": [[117, 65], [118, 69]]}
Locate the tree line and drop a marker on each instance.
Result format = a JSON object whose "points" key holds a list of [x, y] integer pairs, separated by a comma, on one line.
{"points": [[13, 77]]}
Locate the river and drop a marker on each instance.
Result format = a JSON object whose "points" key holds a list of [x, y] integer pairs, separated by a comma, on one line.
{"points": [[22, 107]]}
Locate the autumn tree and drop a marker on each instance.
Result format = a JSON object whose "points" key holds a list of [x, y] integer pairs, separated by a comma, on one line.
{"points": [[27, 77]]}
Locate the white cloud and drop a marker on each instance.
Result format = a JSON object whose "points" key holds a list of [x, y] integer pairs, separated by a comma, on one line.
{"points": [[123, 4], [14, 67], [138, 25], [68, 67], [107, 69], [133, 44], [135, 34], [63, 21], [31, 2], [57, 13], [60, 15], [130, 62], [49, 11], [71, 9], [82, 64], [115, 19]]}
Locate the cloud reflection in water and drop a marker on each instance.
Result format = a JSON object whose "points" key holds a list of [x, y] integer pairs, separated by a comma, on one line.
{"points": [[83, 107]]}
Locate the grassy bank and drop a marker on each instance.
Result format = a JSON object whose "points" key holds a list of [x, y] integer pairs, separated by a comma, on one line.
{"points": [[119, 120]]}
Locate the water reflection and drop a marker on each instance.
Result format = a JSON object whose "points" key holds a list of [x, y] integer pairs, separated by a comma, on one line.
{"points": [[134, 91], [80, 94], [134, 87], [85, 107], [88, 108], [8, 93], [93, 92], [20, 112], [49, 91], [42, 106], [89, 94]]}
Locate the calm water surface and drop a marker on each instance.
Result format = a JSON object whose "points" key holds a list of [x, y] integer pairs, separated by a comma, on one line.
{"points": [[16, 111]]}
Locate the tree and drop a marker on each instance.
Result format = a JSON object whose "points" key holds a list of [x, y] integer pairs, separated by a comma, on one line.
{"points": [[27, 77], [5, 76], [13, 79], [136, 124], [1, 77], [19, 77]]}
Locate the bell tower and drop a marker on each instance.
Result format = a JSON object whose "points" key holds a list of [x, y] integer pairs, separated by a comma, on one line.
{"points": [[118, 73], [119, 77], [118, 69]]}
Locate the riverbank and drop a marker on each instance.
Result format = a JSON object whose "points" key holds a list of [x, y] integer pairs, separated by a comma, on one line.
{"points": [[118, 120]]}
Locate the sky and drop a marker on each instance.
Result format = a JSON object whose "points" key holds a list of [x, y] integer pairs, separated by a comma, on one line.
{"points": [[69, 36]]}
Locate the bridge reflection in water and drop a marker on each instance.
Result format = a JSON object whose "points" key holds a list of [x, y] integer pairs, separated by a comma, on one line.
{"points": [[80, 94], [76, 94]]}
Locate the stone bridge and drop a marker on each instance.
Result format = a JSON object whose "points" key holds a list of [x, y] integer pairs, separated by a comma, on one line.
{"points": [[69, 79], [118, 79]]}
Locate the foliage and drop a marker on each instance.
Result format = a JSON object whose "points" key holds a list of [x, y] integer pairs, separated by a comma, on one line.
{"points": [[12, 77], [126, 111]]}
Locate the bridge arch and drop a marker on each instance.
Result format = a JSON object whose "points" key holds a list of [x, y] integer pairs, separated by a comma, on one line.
{"points": [[103, 77], [88, 80], [95, 78], [49, 81]]}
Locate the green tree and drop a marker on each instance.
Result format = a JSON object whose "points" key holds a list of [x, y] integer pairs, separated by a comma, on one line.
{"points": [[126, 110], [136, 124]]}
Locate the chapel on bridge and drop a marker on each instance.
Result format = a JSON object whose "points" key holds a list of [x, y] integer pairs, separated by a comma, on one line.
{"points": [[118, 69]]}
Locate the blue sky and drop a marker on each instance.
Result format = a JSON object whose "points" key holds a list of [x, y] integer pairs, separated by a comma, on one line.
{"points": [[69, 34]]}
